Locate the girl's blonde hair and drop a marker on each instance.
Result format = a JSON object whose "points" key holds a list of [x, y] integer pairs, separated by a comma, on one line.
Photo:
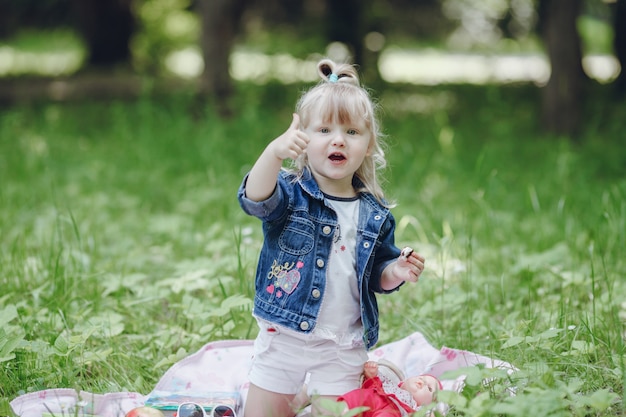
{"points": [[339, 97]]}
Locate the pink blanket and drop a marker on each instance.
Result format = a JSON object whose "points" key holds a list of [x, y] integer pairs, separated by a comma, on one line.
{"points": [[223, 367]]}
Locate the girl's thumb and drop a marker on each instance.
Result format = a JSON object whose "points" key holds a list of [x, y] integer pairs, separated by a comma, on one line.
{"points": [[295, 123]]}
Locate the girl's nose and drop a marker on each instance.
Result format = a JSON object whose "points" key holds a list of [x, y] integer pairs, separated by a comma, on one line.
{"points": [[338, 139]]}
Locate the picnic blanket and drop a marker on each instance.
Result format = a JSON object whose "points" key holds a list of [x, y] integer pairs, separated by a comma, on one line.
{"points": [[221, 367]]}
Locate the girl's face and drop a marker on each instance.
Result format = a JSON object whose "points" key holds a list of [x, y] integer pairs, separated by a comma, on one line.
{"points": [[335, 151]]}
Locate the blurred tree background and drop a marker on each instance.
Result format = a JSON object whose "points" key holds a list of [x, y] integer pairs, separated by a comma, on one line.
{"points": [[197, 41]]}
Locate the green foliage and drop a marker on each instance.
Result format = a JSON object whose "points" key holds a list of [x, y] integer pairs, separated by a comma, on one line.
{"points": [[596, 34], [492, 392], [43, 52], [123, 248], [166, 26], [34, 41], [330, 408]]}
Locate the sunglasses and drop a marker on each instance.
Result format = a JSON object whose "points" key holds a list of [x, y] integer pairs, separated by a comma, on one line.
{"points": [[196, 410]]}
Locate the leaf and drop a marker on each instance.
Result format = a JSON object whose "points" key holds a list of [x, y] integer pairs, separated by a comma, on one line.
{"points": [[540, 402], [98, 356], [7, 315], [172, 359], [513, 341], [237, 300], [61, 345], [7, 358], [218, 312], [474, 376], [557, 255], [356, 411], [550, 333], [582, 347], [455, 373], [452, 398], [599, 400], [574, 385], [39, 347], [479, 404], [189, 281], [109, 323], [115, 329], [111, 284], [331, 408], [8, 343]]}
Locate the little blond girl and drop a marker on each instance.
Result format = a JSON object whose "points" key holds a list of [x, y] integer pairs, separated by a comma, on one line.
{"points": [[328, 246]]}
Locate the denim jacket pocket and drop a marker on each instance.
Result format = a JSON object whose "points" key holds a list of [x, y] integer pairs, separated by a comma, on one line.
{"points": [[297, 237]]}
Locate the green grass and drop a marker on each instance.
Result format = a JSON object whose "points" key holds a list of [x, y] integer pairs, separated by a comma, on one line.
{"points": [[123, 248]]}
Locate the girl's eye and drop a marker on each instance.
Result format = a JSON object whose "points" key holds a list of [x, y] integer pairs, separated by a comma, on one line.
{"points": [[352, 132], [324, 130]]}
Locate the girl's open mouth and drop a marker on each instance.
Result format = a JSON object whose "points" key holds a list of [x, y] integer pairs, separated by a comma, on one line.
{"points": [[336, 157]]}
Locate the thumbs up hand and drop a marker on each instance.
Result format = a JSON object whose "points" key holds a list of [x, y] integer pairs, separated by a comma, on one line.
{"points": [[292, 143]]}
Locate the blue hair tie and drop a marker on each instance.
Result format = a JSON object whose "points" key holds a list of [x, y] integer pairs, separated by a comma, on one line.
{"points": [[333, 78]]}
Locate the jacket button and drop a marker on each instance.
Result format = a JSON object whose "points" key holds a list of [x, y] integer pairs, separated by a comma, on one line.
{"points": [[366, 245], [304, 325], [377, 217], [326, 230], [316, 293], [320, 263]]}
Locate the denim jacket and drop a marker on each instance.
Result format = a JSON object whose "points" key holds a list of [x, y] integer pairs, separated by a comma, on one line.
{"points": [[298, 228]]}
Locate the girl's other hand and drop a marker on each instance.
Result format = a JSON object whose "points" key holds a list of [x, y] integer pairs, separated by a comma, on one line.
{"points": [[410, 265]]}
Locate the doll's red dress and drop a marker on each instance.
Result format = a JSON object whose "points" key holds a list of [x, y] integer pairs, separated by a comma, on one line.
{"points": [[380, 403]]}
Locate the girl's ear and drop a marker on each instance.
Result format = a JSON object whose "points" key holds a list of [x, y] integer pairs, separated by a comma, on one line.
{"points": [[370, 148]]}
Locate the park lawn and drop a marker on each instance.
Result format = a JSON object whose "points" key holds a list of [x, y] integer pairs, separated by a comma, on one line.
{"points": [[123, 248]]}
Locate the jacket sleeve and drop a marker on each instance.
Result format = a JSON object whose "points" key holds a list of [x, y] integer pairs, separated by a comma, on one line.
{"points": [[386, 254], [266, 210]]}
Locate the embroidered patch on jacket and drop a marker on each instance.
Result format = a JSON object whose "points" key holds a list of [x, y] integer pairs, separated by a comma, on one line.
{"points": [[284, 278]]}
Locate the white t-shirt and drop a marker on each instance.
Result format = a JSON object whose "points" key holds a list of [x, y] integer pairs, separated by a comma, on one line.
{"points": [[340, 314]]}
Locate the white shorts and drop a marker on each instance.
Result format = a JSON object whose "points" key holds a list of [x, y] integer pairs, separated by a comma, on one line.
{"points": [[283, 359]]}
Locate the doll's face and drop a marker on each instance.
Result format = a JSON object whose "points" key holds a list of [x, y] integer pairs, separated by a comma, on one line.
{"points": [[422, 388]]}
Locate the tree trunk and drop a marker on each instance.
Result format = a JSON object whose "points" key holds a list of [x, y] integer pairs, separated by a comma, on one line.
{"points": [[107, 27], [220, 24], [619, 44], [349, 22], [562, 98], [345, 24]]}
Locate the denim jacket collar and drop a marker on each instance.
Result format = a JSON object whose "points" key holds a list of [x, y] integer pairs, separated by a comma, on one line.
{"points": [[311, 187]]}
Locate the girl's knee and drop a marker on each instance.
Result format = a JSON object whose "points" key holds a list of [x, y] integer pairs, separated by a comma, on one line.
{"points": [[263, 403]]}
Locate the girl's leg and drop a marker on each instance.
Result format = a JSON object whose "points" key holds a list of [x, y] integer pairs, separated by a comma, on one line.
{"points": [[263, 403]]}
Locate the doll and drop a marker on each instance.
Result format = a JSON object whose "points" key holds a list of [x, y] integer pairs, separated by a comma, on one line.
{"points": [[389, 393]]}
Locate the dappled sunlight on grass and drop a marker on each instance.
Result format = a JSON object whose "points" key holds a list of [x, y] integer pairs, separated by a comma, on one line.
{"points": [[261, 68], [411, 66], [49, 53], [604, 68], [432, 67], [425, 67], [15, 62], [186, 63], [402, 103], [435, 67]]}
